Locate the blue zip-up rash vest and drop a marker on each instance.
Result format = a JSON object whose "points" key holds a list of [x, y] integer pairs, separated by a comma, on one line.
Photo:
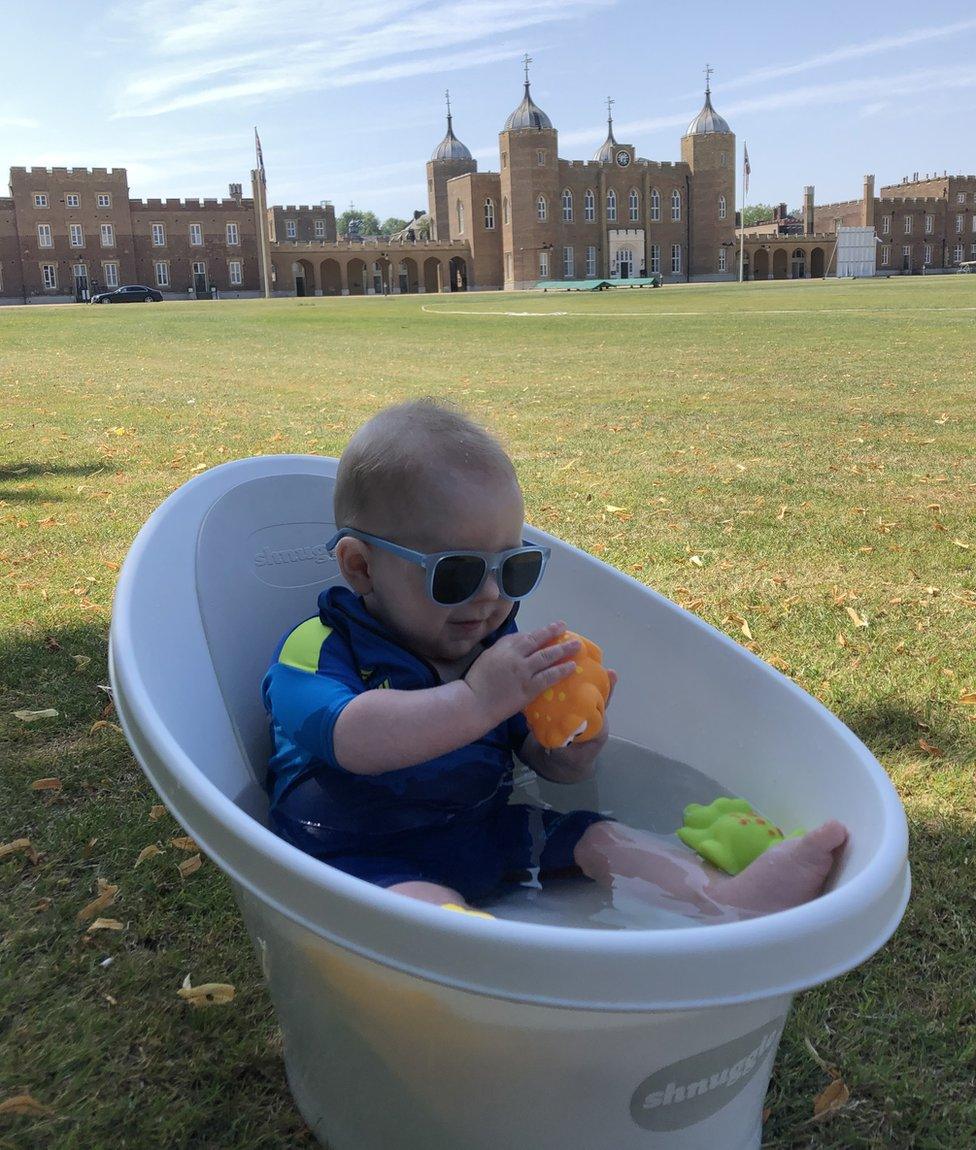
{"points": [[319, 667]]}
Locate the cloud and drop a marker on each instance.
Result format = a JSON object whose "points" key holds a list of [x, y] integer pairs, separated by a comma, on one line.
{"points": [[217, 51]]}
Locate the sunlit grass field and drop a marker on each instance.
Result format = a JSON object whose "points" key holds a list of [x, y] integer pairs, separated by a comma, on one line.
{"points": [[795, 463]]}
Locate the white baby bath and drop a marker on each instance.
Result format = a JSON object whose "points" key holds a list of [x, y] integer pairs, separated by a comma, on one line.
{"points": [[407, 1027]]}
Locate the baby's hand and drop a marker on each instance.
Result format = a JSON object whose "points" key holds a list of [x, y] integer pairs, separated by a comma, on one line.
{"points": [[512, 672]]}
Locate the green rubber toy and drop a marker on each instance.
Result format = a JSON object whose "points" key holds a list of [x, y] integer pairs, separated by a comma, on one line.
{"points": [[729, 833]]}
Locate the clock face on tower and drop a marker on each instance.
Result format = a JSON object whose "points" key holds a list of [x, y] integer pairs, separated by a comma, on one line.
{"points": [[623, 159]]}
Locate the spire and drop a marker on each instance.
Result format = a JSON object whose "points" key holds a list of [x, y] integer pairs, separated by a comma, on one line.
{"points": [[450, 148], [528, 114], [605, 152], [708, 121]]}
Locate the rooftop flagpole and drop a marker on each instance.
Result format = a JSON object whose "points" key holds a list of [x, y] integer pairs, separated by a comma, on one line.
{"points": [[742, 212]]}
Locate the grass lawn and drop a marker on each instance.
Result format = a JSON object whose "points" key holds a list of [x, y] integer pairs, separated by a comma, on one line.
{"points": [[792, 462]]}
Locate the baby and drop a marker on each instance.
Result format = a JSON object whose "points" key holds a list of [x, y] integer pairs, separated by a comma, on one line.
{"points": [[396, 710]]}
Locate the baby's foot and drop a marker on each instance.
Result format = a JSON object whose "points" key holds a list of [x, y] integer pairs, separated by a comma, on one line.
{"points": [[788, 874]]}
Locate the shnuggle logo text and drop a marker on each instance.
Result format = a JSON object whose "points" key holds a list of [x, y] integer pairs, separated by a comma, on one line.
{"points": [[268, 558]]}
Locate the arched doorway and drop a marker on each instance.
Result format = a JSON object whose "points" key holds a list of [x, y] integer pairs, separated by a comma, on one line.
{"points": [[303, 277], [408, 275], [459, 274], [760, 264], [356, 275], [382, 276], [817, 263], [331, 275], [798, 264], [432, 274], [779, 264]]}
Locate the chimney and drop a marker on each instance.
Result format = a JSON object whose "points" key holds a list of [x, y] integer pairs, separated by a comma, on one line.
{"points": [[808, 210], [234, 191], [867, 203]]}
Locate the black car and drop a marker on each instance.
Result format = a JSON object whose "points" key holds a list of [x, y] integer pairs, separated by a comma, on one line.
{"points": [[130, 293]]}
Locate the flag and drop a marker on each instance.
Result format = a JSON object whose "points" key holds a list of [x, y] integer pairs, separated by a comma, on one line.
{"points": [[745, 170], [260, 157]]}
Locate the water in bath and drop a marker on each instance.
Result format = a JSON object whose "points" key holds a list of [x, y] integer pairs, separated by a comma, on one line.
{"points": [[643, 790]]}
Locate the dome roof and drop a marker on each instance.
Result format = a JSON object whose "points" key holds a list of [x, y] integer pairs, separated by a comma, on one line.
{"points": [[708, 122], [450, 148], [527, 115], [605, 152]]}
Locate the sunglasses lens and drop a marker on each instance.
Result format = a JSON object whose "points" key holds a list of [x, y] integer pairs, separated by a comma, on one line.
{"points": [[520, 573], [456, 578]]}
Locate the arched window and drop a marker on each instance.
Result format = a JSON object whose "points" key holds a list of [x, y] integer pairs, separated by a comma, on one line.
{"points": [[567, 206], [676, 259], [490, 214], [633, 201], [722, 211], [589, 206], [459, 208], [655, 205], [504, 209], [611, 205], [541, 211], [676, 205]]}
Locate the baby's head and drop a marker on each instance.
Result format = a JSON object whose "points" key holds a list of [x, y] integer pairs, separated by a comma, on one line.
{"points": [[424, 476]]}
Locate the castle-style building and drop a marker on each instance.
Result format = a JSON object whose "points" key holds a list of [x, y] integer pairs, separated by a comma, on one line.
{"points": [[68, 232], [540, 217]]}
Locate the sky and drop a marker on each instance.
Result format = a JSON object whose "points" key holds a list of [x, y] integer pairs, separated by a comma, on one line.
{"points": [[348, 95]]}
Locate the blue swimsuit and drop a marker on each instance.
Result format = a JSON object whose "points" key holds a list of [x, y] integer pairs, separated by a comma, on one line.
{"points": [[447, 820]]}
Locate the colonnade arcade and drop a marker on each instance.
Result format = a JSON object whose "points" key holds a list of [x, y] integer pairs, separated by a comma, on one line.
{"points": [[347, 269], [788, 257]]}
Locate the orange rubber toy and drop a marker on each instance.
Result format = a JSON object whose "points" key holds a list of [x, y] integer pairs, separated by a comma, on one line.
{"points": [[572, 710]]}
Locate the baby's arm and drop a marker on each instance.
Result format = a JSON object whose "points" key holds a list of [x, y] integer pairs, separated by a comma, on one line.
{"points": [[380, 731]]}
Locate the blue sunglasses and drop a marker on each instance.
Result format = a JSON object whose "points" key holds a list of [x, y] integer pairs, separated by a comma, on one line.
{"points": [[454, 577]]}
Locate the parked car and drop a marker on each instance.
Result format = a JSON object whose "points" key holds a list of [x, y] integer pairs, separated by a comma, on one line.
{"points": [[129, 293]]}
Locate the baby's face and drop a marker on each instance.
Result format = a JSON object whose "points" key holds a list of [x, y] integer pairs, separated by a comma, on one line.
{"points": [[461, 515]]}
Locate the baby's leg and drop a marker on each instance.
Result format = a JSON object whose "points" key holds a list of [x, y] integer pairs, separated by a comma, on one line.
{"points": [[429, 892], [788, 874]]}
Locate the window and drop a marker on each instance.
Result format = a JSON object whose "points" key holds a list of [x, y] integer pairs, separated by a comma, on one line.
{"points": [[567, 206], [233, 236], [591, 261], [541, 211], [44, 237], [972, 254], [928, 255], [885, 256], [906, 256], [655, 205], [158, 236], [960, 197], [103, 200], [40, 199], [49, 273], [76, 235], [234, 273], [291, 231], [633, 204], [504, 209], [504, 159], [908, 225], [459, 212], [162, 273], [111, 274], [72, 200], [885, 225], [957, 253], [722, 208], [80, 275], [489, 214], [540, 157], [929, 224], [676, 259], [544, 265], [675, 205], [655, 268], [589, 206], [569, 263], [959, 224], [721, 259], [611, 205], [107, 234], [319, 230], [200, 269]]}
